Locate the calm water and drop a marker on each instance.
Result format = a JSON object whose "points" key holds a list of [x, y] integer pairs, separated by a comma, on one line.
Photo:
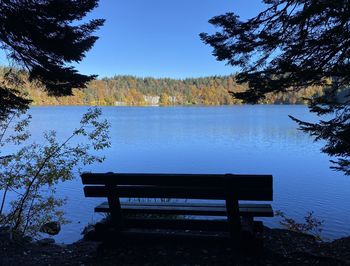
{"points": [[238, 139]]}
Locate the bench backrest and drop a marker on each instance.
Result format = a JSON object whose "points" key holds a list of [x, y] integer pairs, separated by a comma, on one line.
{"points": [[186, 186]]}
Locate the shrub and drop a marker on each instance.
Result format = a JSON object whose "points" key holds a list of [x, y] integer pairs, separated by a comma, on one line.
{"points": [[33, 170], [312, 225]]}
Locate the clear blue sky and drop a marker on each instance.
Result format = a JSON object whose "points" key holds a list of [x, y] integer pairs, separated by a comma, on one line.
{"points": [[158, 38]]}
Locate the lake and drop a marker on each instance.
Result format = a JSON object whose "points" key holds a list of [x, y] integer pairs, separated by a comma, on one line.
{"points": [[232, 139]]}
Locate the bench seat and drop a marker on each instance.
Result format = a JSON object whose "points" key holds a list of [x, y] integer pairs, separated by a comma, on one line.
{"points": [[189, 208], [218, 223]]}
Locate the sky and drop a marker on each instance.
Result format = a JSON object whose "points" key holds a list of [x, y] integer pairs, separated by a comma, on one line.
{"points": [[158, 38]]}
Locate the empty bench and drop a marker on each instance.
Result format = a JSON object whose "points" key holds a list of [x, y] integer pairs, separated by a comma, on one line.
{"points": [[223, 212]]}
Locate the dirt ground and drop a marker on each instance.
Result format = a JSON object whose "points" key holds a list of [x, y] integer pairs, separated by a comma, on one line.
{"points": [[281, 247]]}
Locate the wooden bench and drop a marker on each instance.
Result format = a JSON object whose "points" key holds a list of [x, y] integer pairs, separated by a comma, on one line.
{"points": [[223, 191]]}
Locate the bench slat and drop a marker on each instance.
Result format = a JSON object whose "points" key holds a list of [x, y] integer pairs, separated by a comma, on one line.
{"points": [[186, 224], [194, 204], [165, 236], [264, 194], [204, 180], [256, 210], [218, 225]]}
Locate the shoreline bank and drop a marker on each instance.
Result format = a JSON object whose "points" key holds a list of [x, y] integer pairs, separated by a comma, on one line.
{"points": [[281, 247]]}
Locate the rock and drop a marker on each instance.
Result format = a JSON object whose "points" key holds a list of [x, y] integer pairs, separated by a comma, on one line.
{"points": [[89, 233], [88, 229], [27, 239], [51, 228], [6, 233], [46, 241], [102, 225], [61, 245]]}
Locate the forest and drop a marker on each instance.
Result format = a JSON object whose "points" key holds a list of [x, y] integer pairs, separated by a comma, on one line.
{"points": [[135, 91]]}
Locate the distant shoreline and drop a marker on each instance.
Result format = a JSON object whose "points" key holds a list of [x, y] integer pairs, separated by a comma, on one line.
{"points": [[179, 105]]}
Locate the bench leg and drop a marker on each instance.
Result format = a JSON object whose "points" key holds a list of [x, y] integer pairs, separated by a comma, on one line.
{"points": [[234, 221], [252, 242], [114, 206], [115, 210], [248, 224]]}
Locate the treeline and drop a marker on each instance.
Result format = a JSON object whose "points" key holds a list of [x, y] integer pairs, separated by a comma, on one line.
{"points": [[130, 90]]}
